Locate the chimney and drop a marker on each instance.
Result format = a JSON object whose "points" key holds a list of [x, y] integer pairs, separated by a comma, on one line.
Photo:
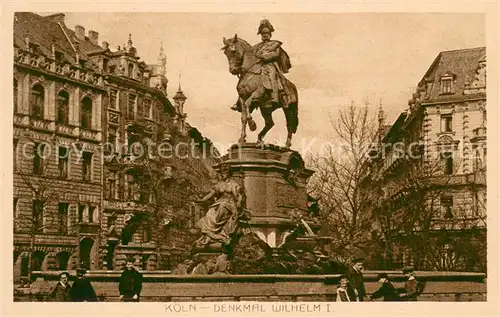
{"points": [[105, 45], [94, 37], [80, 32], [57, 17]]}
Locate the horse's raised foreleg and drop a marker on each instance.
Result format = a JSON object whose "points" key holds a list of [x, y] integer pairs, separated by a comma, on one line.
{"points": [[267, 114]]}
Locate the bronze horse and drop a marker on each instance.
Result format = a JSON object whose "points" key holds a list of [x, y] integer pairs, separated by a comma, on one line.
{"points": [[252, 94]]}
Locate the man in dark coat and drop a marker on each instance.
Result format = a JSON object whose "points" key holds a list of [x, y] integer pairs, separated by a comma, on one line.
{"points": [[409, 293], [82, 290], [355, 275], [386, 290], [130, 285], [62, 291]]}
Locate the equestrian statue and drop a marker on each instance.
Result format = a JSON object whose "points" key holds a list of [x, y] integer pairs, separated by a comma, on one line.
{"points": [[262, 84]]}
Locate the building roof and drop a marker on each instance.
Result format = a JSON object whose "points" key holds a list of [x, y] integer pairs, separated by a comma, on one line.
{"points": [[42, 31], [461, 64]]}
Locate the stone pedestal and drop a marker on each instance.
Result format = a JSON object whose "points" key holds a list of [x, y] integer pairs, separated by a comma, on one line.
{"points": [[274, 179]]}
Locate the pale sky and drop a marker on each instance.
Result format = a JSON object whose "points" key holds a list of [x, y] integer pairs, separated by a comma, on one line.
{"points": [[335, 57]]}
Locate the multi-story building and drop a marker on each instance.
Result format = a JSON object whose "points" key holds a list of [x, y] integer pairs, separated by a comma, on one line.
{"points": [[96, 111], [58, 100], [428, 170]]}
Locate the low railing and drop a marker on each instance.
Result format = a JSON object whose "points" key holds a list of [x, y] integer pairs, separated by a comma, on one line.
{"points": [[440, 286]]}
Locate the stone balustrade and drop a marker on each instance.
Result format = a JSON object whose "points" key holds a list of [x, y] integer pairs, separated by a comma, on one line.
{"points": [[162, 286], [49, 65], [90, 135]]}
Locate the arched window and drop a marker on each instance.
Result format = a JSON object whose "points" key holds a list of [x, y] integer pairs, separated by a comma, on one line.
{"points": [[86, 113], [63, 107], [86, 245], [37, 101], [16, 89], [131, 70], [37, 259], [62, 259]]}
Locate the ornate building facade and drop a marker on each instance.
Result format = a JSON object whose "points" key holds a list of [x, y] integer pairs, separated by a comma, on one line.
{"points": [[88, 175], [428, 170]]}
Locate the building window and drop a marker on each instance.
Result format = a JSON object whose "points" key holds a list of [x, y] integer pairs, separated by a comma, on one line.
{"points": [[447, 206], [112, 132], [16, 142], [63, 218], [37, 259], [446, 85], [148, 234], [113, 99], [87, 166], [131, 106], [63, 162], [111, 221], [105, 63], [81, 211], [148, 110], [15, 212], [91, 214], [37, 211], [446, 123], [447, 163], [112, 189], [86, 113], [16, 89], [63, 107], [62, 259], [38, 158], [131, 70], [37, 101], [59, 56]]}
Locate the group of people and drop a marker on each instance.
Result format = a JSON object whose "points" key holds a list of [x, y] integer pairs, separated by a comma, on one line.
{"points": [[130, 286], [352, 287]]}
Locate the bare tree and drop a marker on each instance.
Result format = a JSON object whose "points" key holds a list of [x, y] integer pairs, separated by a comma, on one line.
{"points": [[336, 182], [414, 214]]}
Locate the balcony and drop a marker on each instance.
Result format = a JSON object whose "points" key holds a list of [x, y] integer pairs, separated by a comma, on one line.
{"points": [[21, 120], [92, 228], [42, 124], [51, 65], [131, 161], [66, 129], [90, 135], [478, 134], [130, 206]]}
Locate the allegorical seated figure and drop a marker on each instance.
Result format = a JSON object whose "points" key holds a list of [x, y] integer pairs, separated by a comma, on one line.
{"points": [[221, 222]]}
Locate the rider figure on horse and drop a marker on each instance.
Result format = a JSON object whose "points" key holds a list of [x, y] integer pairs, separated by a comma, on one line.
{"points": [[275, 63]]}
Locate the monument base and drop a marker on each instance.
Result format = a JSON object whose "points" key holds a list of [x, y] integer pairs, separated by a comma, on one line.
{"points": [[274, 179]]}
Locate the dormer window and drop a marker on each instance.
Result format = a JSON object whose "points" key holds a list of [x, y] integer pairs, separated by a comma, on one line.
{"points": [[131, 70], [105, 65], [59, 56], [33, 48], [447, 84]]}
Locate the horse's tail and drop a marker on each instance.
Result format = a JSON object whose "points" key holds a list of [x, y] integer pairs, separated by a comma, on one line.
{"points": [[292, 111], [292, 117]]}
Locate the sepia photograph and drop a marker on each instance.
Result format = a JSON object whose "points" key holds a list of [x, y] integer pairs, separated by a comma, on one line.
{"points": [[249, 157]]}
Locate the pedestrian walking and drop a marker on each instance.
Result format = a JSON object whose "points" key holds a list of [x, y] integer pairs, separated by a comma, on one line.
{"points": [[130, 285], [62, 290], [355, 276], [82, 290]]}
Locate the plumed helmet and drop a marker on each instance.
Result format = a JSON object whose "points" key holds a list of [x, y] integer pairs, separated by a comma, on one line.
{"points": [[265, 26]]}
